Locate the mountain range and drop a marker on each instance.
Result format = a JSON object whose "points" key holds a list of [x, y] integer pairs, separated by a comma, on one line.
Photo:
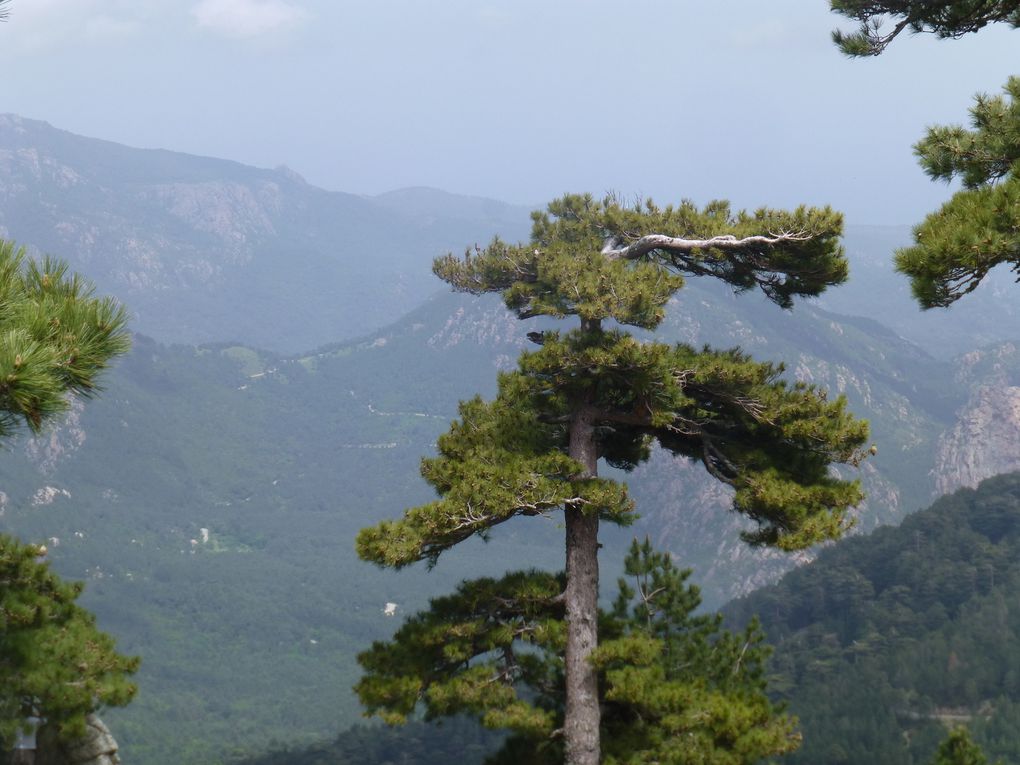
{"points": [[210, 496]]}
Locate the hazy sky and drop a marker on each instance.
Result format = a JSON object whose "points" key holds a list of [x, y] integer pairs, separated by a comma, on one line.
{"points": [[515, 99]]}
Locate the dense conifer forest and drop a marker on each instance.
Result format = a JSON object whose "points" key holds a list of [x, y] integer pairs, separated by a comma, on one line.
{"points": [[886, 640]]}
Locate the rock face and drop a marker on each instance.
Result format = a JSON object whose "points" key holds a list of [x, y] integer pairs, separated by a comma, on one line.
{"points": [[97, 747], [985, 439]]}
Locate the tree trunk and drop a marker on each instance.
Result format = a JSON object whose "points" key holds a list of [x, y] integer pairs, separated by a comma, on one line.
{"points": [[581, 722]]}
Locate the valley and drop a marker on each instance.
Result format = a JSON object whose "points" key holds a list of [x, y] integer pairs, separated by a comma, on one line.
{"points": [[293, 365]]}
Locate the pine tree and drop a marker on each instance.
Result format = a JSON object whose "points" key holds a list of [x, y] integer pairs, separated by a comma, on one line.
{"points": [[675, 686], [979, 227], [595, 392], [943, 18], [54, 662], [55, 339]]}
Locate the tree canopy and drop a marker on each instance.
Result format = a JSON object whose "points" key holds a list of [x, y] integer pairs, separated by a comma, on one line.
{"points": [[975, 231], [943, 18], [55, 340]]}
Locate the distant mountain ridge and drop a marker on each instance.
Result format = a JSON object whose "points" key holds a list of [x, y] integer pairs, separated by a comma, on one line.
{"points": [[210, 250], [205, 249]]}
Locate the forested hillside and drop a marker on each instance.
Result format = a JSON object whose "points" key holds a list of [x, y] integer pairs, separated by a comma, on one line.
{"points": [[886, 640], [281, 459]]}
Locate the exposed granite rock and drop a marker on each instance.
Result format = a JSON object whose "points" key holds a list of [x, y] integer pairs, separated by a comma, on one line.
{"points": [[96, 747], [59, 441], [985, 440]]}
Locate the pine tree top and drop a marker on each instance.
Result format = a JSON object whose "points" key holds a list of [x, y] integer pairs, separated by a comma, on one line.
{"points": [[601, 259]]}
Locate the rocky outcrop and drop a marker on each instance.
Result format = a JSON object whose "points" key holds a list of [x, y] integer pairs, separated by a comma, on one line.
{"points": [[59, 441], [96, 747], [985, 439]]}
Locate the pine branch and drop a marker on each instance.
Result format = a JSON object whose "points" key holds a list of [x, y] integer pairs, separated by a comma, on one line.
{"points": [[615, 249]]}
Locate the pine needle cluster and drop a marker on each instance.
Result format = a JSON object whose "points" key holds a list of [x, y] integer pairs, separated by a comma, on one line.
{"points": [[677, 687]]}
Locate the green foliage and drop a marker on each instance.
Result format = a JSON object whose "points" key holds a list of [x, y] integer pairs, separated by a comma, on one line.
{"points": [[885, 639], [563, 270], [772, 441], [596, 394], [959, 749], [943, 18], [977, 229], [677, 688], [54, 663], [498, 461], [269, 465], [470, 652], [980, 156], [55, 339]]}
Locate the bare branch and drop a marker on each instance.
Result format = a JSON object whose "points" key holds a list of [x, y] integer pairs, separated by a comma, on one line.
{"points": [[614, 249]]}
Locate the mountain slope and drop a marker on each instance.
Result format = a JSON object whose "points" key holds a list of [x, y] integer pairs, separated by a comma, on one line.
{"points": [[210, 498], [885, 640]]}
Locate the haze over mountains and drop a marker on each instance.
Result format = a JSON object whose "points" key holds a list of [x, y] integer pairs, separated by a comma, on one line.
{"points": [[211, 495], [208, 250]]}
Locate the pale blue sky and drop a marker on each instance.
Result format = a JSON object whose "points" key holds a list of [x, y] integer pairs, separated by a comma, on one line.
{"points": [[519, 100]]}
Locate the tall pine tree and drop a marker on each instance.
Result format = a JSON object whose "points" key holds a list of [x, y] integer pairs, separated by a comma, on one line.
{"points": [[55, 340], [595, 392]]}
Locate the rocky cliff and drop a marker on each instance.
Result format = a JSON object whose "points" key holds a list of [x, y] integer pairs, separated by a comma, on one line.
{"points": [[985, 437]]}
